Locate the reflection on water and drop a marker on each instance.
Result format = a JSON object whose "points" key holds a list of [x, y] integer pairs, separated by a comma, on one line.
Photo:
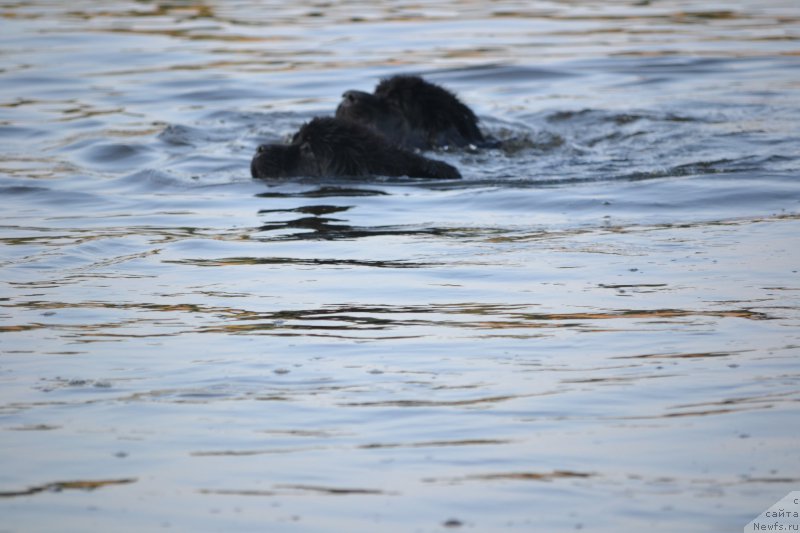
{"points": [[597, 328], [67, 485]]}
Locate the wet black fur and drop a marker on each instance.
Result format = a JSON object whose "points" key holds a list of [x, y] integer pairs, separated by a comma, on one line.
{"points": [[414, 113], [339, 147]]}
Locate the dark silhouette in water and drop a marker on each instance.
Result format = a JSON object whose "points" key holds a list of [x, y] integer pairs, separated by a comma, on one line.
{"points": [[414, 113], [339, 147]]}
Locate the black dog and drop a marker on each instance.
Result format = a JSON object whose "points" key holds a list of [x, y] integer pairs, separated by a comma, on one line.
{"points": [[414, 113], [339, 147]]}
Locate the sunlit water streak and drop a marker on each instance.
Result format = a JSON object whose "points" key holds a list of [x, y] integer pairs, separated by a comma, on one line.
{"points": [[596, 329]]}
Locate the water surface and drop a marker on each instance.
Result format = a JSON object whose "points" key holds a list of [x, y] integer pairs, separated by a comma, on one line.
{"points": [[598, 328]]}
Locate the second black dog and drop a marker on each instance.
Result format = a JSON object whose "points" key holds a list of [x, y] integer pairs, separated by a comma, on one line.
{"points": [[414, 113]]}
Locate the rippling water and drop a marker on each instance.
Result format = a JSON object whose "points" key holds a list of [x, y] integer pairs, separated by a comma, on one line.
{"points": [[598, 328]]}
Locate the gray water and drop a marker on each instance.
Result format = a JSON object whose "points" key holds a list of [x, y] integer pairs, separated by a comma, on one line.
{"points": [[597, 329]]}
